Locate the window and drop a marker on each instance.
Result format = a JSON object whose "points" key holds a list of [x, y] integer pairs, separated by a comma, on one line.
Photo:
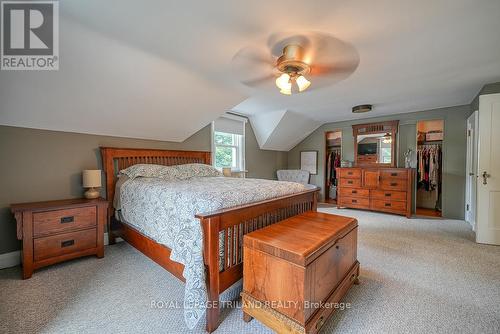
{"points": [[228, 142], [385, 151]]}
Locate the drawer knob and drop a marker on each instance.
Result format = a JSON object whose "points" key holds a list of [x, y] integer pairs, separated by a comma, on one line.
{"points": [[387, 204], [393, 184], [387, 194], [350, 182], [69, 219], [354, 191], [355, 201], [337, 246], [349, 173], [394, 174], [67, 243]]}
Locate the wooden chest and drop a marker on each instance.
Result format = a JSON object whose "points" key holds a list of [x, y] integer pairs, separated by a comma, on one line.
{"points": [[296, 271], [378, 189]]}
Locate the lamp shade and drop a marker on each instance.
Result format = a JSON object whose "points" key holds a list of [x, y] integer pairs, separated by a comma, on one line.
{"points": [[303, 83], [91, 178]]}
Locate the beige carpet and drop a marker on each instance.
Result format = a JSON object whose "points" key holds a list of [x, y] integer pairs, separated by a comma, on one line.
{"points": [[418, 276]]}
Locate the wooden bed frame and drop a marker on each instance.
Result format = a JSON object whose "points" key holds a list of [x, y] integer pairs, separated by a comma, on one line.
{"points": [[232, 222]]}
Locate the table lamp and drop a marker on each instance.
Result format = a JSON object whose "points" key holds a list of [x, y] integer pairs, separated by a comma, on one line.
{"points": [[92, 180]]}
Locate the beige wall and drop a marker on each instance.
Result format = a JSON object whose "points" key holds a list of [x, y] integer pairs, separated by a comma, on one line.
{"points": [[262, 163], [39, 165], [454, 147]]}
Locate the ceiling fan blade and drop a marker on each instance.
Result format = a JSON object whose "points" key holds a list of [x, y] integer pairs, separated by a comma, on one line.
{"points": [[334, 69], [258, 81], [253, 66], [254, 55]]}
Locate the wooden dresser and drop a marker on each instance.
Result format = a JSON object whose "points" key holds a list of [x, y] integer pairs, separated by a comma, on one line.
{"points": [[291, 267], [57, 231], [378, 189]]}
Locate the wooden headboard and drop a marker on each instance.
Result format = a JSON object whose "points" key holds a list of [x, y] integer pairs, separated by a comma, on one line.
{"points": [[115, 159]]}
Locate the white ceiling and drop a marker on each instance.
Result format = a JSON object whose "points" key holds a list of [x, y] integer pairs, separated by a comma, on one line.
{"points": [[162, 69]]}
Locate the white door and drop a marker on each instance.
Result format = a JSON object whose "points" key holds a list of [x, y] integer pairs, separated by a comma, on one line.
{"points": [[488, 180], [471, 171]]}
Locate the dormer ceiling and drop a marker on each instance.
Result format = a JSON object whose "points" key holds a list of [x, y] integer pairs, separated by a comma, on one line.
{"points": [[162, 69]]}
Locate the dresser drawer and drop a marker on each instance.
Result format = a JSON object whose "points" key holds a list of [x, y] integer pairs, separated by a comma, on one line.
{"points": [[371, 158], [350, 173], [377, 204], [388, 195], [354, 192], [350, 183], [49, 222], [393, 184], [393, 174], [361, 203], [64, 243]]}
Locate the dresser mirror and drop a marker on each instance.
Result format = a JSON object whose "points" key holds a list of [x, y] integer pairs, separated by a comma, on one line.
{"points": [[375, 144]]}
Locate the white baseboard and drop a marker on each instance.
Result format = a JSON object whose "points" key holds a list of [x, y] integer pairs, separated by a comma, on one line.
{"points": [[13, 259]]}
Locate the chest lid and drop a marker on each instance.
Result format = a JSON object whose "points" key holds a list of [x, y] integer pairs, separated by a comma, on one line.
{"points": [[302, 238]]}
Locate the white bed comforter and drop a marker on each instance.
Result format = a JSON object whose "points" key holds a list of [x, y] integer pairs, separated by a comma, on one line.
{"points": [[165, 211]]}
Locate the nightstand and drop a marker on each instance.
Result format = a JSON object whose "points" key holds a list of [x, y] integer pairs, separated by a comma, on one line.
{"points": [[57, 231]]}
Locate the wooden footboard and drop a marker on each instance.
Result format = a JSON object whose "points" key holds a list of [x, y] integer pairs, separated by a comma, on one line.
{"points": [[232, 224]]}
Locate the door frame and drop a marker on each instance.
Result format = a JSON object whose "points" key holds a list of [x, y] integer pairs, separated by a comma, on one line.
{"points": [[443, 163], [472, 127], [326, 194]]}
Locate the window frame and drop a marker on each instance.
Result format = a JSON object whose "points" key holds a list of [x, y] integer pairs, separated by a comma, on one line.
{"points": [[239, 146]]}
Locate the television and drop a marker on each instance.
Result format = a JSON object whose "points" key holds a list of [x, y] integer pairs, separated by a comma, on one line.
{"points": [[368, 148]]}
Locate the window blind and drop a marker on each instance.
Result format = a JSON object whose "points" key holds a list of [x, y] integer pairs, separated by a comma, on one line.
{"points": [[230, 124]]}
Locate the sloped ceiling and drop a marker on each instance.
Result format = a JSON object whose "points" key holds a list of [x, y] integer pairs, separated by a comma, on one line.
{"points": [[161, 69], [281, 129]]}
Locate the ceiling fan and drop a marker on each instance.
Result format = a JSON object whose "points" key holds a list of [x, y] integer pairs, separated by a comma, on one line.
{"points": [[293, 68], [294, 62]]}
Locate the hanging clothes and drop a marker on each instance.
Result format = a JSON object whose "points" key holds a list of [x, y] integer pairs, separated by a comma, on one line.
{"points": [[333, 162], [429, 166], [429, 170]]}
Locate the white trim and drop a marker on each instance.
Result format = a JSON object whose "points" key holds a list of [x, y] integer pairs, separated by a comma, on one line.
{"points": [[472, 154], [242, 149], [212, 142], [241, 159], [235, 117], [11, 259]]}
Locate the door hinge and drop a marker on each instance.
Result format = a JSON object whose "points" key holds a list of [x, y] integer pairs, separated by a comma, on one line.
{"points": [[468, 133], [468, 207]]}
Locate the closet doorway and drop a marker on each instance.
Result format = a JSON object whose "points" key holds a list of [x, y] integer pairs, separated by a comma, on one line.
{"points": [[430, 135], [333, 156]]}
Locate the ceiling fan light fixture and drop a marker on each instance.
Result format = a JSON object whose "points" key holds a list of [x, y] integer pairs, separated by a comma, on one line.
{"points": [[286, 91], [362, 108], [283, 82], [302, 83]]}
